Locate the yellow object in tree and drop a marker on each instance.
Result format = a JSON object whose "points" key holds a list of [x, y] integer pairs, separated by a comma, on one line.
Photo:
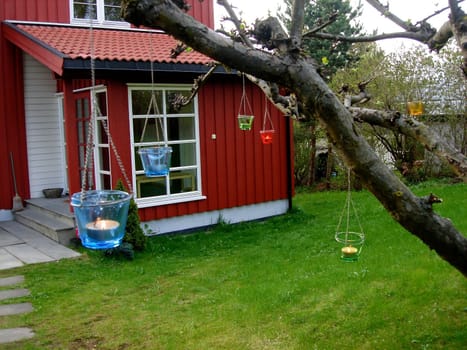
{"points": [[415, 108]]}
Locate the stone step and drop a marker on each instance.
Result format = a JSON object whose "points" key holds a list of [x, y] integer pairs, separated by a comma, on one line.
{"points": [[14, 293], [15, 309], [11, 281], [11, 335], [37, 241], [46, 224], [58, 208]]}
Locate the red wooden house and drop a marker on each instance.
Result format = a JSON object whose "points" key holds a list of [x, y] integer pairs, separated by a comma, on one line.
{"points": [[217, 169]]}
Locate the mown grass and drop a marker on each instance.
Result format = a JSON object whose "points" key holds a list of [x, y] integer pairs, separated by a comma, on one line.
{"points": [[277, 284]]}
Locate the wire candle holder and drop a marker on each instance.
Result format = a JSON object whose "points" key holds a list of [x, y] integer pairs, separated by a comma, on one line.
{"points": [[352, 241]]}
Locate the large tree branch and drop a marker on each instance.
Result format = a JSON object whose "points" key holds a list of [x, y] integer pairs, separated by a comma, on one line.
{"points": [[299, 74], [421, 32], [422, 133], [384, 10], [459, 28], [298, 18]]}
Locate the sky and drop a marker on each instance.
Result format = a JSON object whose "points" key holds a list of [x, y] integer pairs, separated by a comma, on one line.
{"points": [[406, 9]]}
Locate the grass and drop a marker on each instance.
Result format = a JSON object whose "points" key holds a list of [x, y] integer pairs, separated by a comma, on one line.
{"points": [[277, 284]]}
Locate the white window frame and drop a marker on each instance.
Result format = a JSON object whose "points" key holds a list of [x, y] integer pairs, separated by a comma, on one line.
{"points": [[170, 198], [100, 21]]}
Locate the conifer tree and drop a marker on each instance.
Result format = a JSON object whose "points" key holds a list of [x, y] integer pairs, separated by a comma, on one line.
{"points": [[134, 234]]}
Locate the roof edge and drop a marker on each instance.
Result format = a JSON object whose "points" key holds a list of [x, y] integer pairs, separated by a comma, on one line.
{"points": [[48, 56]]}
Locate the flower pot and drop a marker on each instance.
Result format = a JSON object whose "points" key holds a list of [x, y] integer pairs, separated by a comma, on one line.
{"points": [[245, 121], [156, 160], [352, 245], [101, 217], [415, 108], [266, 136], [52, 192]]}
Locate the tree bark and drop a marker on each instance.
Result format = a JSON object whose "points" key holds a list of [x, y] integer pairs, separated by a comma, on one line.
{"points": [[299, 74]]}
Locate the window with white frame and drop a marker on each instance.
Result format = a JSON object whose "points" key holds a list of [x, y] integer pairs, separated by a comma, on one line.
{"points": [[163, 126], [106, 12]]}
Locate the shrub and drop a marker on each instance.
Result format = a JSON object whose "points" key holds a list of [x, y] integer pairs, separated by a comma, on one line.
{"points": [[134, 233]]}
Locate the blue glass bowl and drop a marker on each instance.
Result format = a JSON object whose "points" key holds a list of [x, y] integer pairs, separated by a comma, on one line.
{"points": [[101, 216]]}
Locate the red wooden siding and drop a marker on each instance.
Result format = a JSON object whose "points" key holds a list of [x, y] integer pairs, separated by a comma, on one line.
{"points": [[237, 169], [119, 126], [12, 125]]}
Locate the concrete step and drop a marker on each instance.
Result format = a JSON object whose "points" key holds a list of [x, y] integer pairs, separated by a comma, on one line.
{"points": [[11, 335], [47, 224], [58, 208], [50, 249]]}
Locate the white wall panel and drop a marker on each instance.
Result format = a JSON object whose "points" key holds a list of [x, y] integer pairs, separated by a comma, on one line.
{"points": [[44, 139]]}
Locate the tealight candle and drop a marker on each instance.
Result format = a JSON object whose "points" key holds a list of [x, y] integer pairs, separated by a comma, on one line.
{"points": [[102, 229], [349, 251]]}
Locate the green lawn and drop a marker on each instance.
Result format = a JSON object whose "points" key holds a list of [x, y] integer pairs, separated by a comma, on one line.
{"points": [[277, 284]]}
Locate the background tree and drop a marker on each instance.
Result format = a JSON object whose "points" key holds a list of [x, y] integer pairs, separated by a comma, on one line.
{"points": [[289, 67], [331, 55], [408, 75]]}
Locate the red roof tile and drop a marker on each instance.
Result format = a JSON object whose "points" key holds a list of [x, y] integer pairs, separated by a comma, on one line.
{"points": [[110, 44]]}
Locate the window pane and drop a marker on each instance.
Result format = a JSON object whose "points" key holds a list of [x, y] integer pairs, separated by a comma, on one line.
{"points": [[148, 130], [141, 101], [101, 134], [151, 186], [138, 164], [183, 155], [182, 181], [181, 128], [104, 159], [112, 10], [174, 95], [84, 9], [101, 100], [105, 181]]}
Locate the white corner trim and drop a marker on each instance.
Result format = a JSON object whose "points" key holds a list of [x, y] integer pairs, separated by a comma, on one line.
{"points": [[230, 215]]}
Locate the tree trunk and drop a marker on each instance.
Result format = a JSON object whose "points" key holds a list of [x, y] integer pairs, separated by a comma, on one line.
{"points": [[312, 164], [299, 74], [329, 161]]}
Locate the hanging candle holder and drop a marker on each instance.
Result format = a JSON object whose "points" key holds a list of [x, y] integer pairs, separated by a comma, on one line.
{"points": [[415, 108], [245, 122], [101, 216], [267, 134], [352, 241], [352, 244], [156, 160], [245, 115]]}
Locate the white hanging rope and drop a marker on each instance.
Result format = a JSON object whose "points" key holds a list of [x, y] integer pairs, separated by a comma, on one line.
{"points": [[153, 101], [90, 138], [267, 115], [245, 108], [95, 111]]}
